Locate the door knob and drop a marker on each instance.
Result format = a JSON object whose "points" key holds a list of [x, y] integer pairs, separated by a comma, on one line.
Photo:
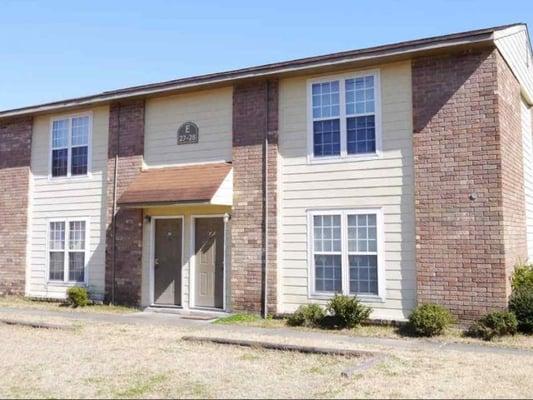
{"points": [[156, 261]]}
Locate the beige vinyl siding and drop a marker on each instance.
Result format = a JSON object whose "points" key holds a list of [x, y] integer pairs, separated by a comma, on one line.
{"points": [[513, 44], [385, 182], [211, 110], [76, 197], [527, 146]]}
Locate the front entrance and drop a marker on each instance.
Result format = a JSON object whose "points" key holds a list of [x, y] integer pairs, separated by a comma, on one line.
{"points": [[168, 261], [209, 262]]}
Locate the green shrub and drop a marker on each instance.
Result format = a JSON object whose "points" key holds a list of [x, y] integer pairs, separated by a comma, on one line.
{"points": [[77, 297], [309, 315], [495, 324], [347, 312], [521, 304], [430, 320], [523, 277]]}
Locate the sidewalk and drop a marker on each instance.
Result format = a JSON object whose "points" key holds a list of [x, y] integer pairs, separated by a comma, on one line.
{"points": [[161, 319]]}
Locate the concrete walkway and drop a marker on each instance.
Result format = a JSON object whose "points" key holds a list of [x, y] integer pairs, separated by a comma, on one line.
{"points": [[180, 320]]}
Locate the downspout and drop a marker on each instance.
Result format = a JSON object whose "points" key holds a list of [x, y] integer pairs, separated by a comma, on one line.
{"points": [[114, 219], [265, 213]]}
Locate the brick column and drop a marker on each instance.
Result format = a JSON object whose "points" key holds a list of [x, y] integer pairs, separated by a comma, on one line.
{"points": [[126, 139], [15, 153], [255, 114], [468, 193]]}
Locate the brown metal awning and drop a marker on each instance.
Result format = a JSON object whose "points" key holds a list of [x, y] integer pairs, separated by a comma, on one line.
{"points": [[177, 185]]}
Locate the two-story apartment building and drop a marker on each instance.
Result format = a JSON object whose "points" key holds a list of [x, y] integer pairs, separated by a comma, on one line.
{"points": [[402, 174]]}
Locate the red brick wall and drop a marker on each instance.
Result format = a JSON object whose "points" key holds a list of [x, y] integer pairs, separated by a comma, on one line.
{"points": [[464, 244], [15, 152], [255, 113], [126, 138], [513, 196]]}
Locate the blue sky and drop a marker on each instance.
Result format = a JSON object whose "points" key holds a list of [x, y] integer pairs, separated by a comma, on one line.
{"points": [[50, 50]]}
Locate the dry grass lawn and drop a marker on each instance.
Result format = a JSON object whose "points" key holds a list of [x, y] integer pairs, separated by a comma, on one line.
{"points": [[125, 361], [24, 302], [452, 335]]}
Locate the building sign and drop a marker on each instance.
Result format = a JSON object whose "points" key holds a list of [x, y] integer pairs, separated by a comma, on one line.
{"points": [[188, 133]]}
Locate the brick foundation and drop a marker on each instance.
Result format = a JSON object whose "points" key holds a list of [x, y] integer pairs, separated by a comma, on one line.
{"points": [[469, 201], [126, 138], [255, 113], [15, 153]]}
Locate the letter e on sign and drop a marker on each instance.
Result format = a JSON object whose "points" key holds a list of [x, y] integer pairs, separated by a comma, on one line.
{"points": [[188, 133]]}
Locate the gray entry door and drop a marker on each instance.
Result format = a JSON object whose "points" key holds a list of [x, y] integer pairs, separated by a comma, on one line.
{"points": [[167, 261], [209, 262]]}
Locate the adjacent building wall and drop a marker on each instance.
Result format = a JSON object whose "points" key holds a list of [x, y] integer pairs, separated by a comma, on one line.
{"points": [[527, 146], [513, 188], [383, 182], [15, 151], [76, 197], [470, 219], [210, 110]]}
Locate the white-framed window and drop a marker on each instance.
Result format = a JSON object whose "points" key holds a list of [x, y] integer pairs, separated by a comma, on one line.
{"points": [[344, 116], [70, 150], [68, 250], [346, 252]]}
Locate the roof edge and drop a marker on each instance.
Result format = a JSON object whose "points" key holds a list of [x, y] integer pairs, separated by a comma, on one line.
{"points": [[273, 69]]}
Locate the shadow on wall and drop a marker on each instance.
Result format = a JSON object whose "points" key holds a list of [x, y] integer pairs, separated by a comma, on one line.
{"points": [[441, 83]]}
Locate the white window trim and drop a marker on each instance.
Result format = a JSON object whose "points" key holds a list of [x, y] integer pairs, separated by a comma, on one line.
{"points": [[66, 281], [69, 176], [313, 294], [344, 156]]}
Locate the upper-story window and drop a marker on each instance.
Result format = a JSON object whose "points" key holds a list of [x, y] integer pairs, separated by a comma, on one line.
{"points": [[345, 119], [70, 146]]}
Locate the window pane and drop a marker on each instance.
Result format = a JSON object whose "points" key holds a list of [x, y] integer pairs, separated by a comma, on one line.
{"points": [[328, 228], [80, 131], [77, 235], [57, 236], [59, 162], [327, 138], [360, 95], [76, 267], [361, 132], [79, 160], [328, 273], [56, 266], [60, 134], [362, 233], [363, 274], [326, 99]]}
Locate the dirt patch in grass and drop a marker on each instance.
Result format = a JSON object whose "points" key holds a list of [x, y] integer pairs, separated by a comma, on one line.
{"points": [[24, 302], [136, 361]]}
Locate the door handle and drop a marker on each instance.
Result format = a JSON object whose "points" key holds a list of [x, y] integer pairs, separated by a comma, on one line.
{"points": [[156, 262]]}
